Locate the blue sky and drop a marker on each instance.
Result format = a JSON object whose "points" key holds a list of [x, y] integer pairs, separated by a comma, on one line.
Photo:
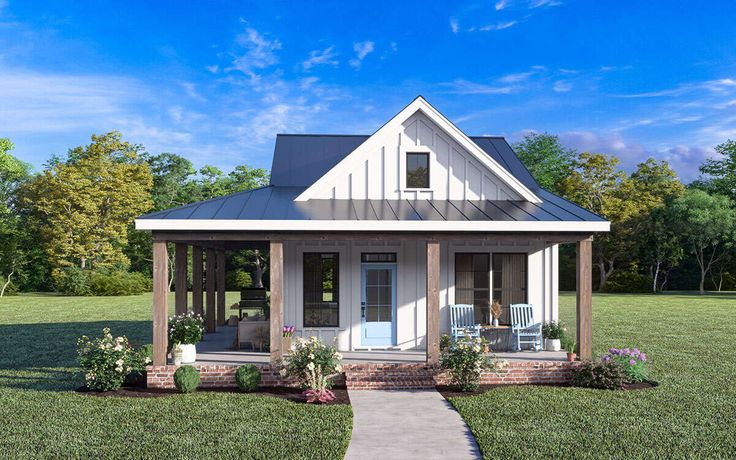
{"points": [[215, 81]]}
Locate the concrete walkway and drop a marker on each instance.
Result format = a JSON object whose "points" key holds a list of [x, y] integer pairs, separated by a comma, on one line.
{"points": [[407, 424]]}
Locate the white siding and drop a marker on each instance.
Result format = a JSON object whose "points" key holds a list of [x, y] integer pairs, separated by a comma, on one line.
{"points": [[454, 172], [411, 316]]}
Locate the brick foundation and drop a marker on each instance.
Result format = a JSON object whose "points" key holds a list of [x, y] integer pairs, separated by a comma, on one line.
{"points": [[371, 376]]}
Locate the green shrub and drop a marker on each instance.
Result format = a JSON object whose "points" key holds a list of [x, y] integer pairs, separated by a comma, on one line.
{"points": [[186, 379], [464, 361], [606, 375], [248, 377], [445, 341], [106, 361], [309, 355], [118, 282], [628, 281], [72, 281], [553, 330]]}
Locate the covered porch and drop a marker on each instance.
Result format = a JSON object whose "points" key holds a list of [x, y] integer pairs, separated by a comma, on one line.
{"points": [[208, 292]]}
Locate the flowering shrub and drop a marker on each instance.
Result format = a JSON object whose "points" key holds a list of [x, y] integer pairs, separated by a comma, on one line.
{"points": [[106, 361], [317, 386], [553, 330], [309, 355], [186, 328], [464, 360], [606, 375], [633, 361]]}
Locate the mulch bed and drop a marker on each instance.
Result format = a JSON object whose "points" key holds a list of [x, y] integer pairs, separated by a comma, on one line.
{"points": [[448, 391], [288, 393]]}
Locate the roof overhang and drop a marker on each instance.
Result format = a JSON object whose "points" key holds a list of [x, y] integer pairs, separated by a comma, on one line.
{"points": [[370, 226]]}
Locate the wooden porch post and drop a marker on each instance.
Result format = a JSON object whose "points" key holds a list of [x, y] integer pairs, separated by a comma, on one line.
{"points": [[197, 280], [433, 302], [277, 299], [584, 298], [211, 277], [160, 302], [221, 288], [180, 261]]}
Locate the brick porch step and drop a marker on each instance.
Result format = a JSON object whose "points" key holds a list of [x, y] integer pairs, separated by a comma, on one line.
{"points": [[389, 376]]}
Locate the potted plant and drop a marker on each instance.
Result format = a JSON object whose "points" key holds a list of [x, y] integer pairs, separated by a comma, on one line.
{"points": [[553, 331], [569, 345], [186, 330], [287, 333], [176, 353], [495, 311]]}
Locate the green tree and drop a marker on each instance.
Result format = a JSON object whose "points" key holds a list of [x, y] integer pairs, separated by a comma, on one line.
{"points": [[546, 158], [707, 224], [13, 173], [170, 173], [721, 173], [85, 204], [660, 245], [243, 177]]}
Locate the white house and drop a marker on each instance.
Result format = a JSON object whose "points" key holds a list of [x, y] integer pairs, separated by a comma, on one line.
{"points": [[373, 237]]}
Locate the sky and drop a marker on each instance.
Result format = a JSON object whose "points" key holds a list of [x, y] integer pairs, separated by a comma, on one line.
{"points": [[215, 81]]}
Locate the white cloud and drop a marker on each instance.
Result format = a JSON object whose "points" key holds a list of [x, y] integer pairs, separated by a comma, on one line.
{"points": [[191, 90], [562, 86], [498, 26], [516, 77], [501, 4], [454, 25], [468, 87], [540, 3], [213, 68], [321, 57], [362, 49], [260, 53]]}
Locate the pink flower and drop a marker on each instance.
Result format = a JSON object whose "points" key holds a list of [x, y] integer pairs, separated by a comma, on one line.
{"points": [[632, 362]]}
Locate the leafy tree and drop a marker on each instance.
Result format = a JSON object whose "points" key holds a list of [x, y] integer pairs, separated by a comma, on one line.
{"points": [[722, 172], [13, 172], [85, 203], [243, 177], [707, 224], [170, 172], [546, 158], [660, 245]]}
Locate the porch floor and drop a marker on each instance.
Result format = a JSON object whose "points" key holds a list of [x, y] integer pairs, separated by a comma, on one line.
{"points": [[217, 348]]}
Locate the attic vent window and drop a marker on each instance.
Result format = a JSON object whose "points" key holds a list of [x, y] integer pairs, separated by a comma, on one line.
{"points": [[417, 170]]}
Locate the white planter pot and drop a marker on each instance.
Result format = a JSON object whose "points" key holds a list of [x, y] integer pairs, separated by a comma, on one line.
{"points": [[188, 353], [552, 344]]}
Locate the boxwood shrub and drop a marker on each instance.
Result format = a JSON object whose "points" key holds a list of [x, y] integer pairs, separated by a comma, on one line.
{"points": [[186, 379], [248, 377]]}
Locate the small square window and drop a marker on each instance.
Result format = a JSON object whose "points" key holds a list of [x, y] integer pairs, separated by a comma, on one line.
{"points": [[417, 170]]}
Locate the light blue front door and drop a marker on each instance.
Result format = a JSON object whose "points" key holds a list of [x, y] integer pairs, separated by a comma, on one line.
{"points": [[378, 305]]}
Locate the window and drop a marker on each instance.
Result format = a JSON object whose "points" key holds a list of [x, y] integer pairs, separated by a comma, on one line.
{"points": [[321, 289], [472, 284], [378, 257], [417, 170], [509, 281]]}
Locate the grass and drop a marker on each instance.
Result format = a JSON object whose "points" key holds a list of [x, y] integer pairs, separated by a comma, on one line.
{"points": [[690, 341], [42, 417]]}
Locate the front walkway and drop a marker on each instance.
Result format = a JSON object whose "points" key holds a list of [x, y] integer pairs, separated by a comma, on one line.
{"points": [[410, 424]]}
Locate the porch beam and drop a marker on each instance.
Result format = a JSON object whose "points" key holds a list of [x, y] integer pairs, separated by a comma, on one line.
{"points": [[433, 302], [181, 262], [277, 299], [584, 298], [221, 288], [197, 280], [211, 238], [160, 302], [210, 275]]}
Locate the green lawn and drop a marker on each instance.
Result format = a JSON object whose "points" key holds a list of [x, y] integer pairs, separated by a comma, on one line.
{"points": [[41, 417], [691, 343]]}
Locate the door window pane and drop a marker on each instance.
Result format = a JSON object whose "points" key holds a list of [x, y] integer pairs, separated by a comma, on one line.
{"points": [[321, 289], [472, 273]]}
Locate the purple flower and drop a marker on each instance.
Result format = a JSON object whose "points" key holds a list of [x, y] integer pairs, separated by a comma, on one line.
{"points": [[636, 351], [632, 362], [625, 351], [643, 357], [606, 358]]}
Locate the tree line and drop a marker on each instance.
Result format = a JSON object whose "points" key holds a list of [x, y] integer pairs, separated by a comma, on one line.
{"points": [[71, 224]]}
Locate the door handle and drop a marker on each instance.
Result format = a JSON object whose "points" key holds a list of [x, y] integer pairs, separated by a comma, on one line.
{"points": [[362, 309]]}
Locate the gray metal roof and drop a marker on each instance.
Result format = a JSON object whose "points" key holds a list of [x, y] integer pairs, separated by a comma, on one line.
{"points": [[277, 203]]}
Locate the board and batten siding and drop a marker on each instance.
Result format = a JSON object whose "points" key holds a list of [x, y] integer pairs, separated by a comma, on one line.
{"points": [[455, 174], [411, 314]]}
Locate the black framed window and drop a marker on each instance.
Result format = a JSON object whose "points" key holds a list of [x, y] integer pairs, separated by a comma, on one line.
{"points": [[417, 170], [509, 281], [321, 289], [472, 283], [378, 257]]}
